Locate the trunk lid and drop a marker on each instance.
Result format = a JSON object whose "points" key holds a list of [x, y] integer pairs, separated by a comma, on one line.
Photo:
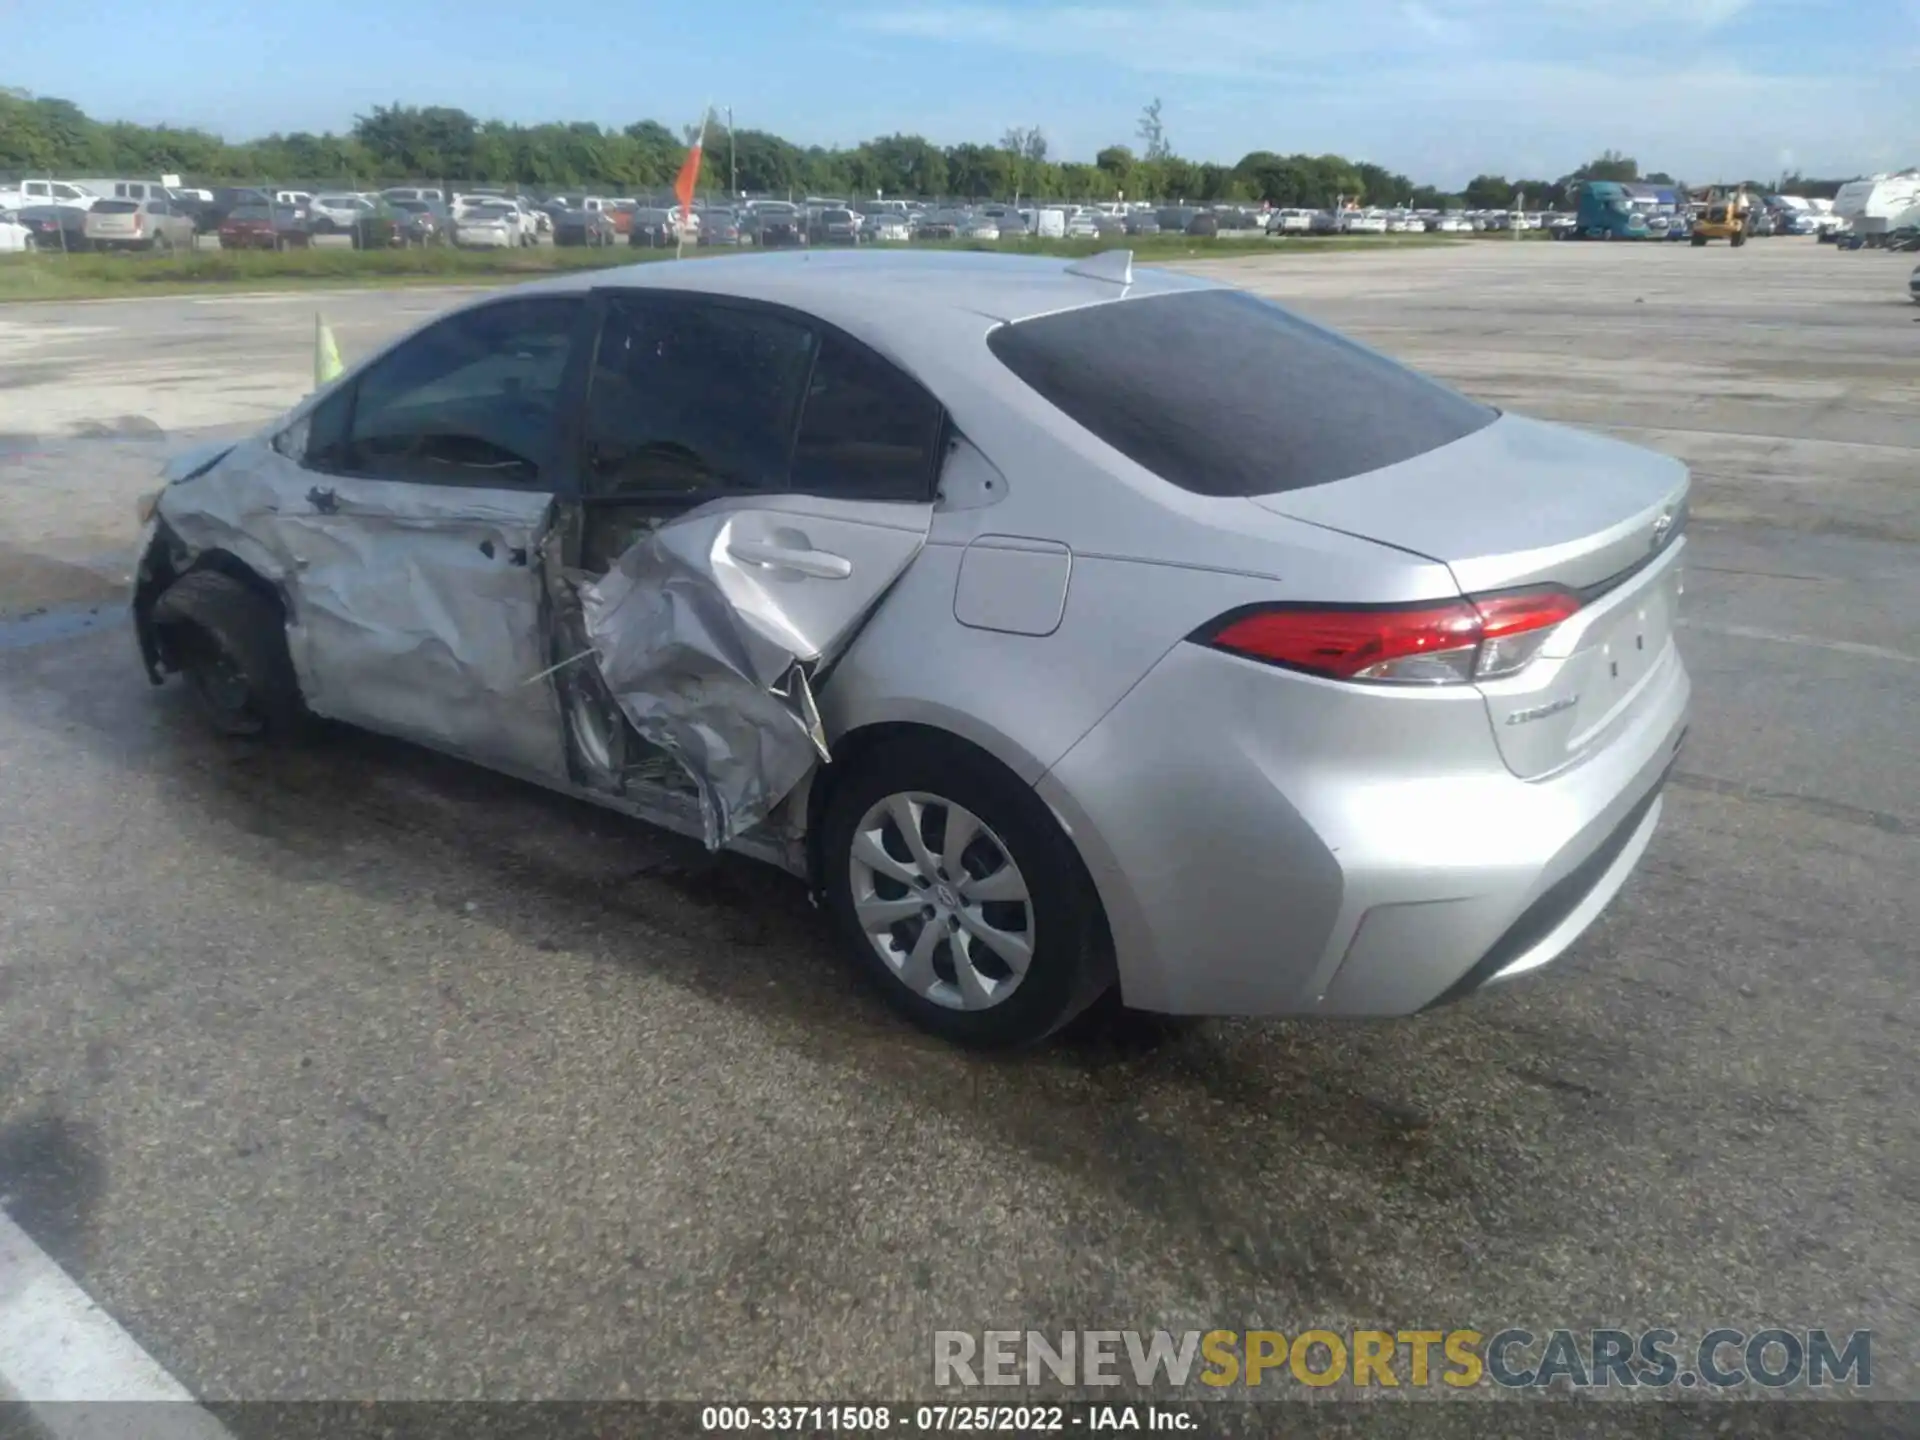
{"points": [[1522, 503]]}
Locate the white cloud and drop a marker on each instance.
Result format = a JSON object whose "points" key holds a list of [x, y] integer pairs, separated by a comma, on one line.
{"points": [[1445, 88], [1233, 38], [1698, 15], [1164, 38]]}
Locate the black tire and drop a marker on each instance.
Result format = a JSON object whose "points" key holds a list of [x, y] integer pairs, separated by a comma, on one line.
{"points": [[1071, 965], [1699, 240], [229, 643], [1737, 239]]}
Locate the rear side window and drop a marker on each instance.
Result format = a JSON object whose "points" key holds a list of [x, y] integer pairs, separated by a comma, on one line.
{"points": [[115, 207], [869, 430], [1221, 393], [689, 397]]}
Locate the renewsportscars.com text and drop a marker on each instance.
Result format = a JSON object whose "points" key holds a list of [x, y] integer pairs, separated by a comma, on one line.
{"points": [[1718, 1359]]}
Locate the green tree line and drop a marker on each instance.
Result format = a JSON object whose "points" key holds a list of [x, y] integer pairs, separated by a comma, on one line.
{"points": [[42, 135]]}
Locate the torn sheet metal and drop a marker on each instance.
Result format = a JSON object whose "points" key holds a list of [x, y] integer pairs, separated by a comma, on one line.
{"points": [[709, 631], [412, 609]]}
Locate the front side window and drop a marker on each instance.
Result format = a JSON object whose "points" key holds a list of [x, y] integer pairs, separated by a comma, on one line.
{"points": [[689, 397], [470, 401]]}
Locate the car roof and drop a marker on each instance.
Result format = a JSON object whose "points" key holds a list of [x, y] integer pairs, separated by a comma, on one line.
{"points": [[929, 311], [892, 290]]}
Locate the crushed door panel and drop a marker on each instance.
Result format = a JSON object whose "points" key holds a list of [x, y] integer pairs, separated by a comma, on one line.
{"points": [[710, 630]]}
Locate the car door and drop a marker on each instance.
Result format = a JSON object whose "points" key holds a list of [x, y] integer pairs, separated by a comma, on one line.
{"points": [[752, 484], [415, 551], [165, 223]]}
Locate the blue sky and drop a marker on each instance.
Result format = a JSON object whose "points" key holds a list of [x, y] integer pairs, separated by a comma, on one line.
{"points": [[1440, 89]]}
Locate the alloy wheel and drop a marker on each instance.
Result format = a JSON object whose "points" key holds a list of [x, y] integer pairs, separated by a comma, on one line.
{"points": [[941, 900]]}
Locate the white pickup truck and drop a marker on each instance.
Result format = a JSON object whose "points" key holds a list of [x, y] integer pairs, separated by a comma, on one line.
{"points": [[47, 192]]}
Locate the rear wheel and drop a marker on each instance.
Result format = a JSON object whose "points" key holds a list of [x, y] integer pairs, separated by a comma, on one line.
{"points": [[961, 896], [1737, 239], [1699, 240], [229, 643]]}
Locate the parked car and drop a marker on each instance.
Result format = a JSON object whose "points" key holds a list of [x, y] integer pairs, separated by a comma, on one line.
{"points": [[338, 213], [422, 222], [1142, 222], [46, 192], [834, 227], [584, 227], [889, 229], [225, 200], [1290, 222], [381, 228], [938, 225], [653, 228], [491, 227], [720, 227], [1204, 224], [17, 235], [1375, 691], [264, 227], [149, 224], [774, 224], [55, 227], [980, 228], [1083, 225]]}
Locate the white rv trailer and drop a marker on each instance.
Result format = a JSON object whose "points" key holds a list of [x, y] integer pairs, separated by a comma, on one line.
{"points": [[1875, 205]]}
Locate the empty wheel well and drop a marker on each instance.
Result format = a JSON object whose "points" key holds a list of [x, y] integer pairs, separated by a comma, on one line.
{"points": [[221, 562], [852, 751]]}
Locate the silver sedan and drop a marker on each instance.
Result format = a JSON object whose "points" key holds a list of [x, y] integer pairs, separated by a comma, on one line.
{"points": [[1068, 627]]}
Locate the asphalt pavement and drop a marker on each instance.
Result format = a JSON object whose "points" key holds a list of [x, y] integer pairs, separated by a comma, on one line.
{"points": [[356, 1072]]}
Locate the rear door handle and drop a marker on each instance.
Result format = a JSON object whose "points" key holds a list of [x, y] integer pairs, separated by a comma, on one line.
{"points": [[817, 563]]}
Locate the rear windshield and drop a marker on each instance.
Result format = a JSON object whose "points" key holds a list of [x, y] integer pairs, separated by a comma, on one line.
{"points": [[115, 207], [1221, 393], [248, 212]]}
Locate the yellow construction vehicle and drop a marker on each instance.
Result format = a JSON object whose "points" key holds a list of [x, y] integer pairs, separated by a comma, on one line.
{"points": [[1720, 216]]}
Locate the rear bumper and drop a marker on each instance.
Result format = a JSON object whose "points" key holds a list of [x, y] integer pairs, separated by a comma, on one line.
{"points": [[1568, 906], [1316, 851]]}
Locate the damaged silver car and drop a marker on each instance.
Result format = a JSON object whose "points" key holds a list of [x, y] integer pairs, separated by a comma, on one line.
{"points": [[1063, 626]]}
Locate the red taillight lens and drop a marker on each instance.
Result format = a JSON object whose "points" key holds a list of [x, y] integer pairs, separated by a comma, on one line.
{"points": [[1449, 643], [1515, 625]]}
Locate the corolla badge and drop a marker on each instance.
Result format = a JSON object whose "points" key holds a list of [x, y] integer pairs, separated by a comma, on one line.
{"points": [[1541, 712]]}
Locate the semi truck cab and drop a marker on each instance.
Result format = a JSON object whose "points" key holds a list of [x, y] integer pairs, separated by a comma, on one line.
{"points": [[1606, 212]]}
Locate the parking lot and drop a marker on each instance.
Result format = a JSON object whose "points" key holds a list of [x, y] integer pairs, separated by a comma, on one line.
{"points": [[353, 1071]]}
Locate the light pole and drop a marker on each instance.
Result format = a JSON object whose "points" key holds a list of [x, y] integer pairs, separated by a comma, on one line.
{"points": [[733, 170]]}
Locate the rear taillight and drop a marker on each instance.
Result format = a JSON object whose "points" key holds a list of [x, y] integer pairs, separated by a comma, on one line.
{"points": [[1452, 642]]}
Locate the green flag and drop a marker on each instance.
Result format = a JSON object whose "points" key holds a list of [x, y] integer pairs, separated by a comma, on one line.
{"points": [[326, 354]]}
